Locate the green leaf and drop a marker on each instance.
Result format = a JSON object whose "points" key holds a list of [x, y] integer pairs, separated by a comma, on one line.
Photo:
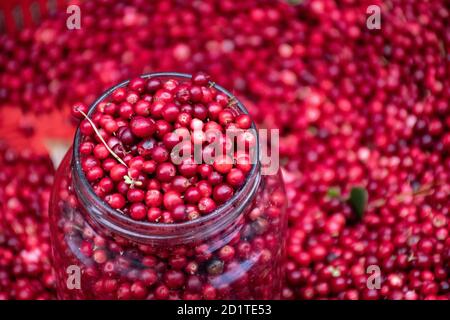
{"points": [[294, 2], [358, 200], [334, 192]]}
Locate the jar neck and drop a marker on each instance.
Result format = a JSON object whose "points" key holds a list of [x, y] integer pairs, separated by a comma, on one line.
{"points": [[224, 218]]}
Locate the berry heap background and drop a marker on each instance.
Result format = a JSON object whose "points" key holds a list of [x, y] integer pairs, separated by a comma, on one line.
{"points": [[355, 108]]}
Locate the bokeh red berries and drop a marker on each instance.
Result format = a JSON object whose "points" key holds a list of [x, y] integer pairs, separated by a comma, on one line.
{"points": [[354, 106]]}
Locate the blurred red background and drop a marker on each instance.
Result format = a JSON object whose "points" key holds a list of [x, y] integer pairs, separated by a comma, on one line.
{"points": [[355, 107]]}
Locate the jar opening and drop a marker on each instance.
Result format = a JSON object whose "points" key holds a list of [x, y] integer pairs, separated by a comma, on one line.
{"points": [[146, 231]]}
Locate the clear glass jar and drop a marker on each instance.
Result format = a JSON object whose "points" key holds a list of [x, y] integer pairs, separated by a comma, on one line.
{"points": [[234, 252]]}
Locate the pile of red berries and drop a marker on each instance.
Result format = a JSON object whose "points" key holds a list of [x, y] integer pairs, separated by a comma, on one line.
{"points": [[25, 183], [356, 108], [129, 148], [403, 233], [376, 117]]}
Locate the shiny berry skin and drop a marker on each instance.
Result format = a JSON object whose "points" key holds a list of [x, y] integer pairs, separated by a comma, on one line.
{"points": [[172, 199], [138, 211], [165, 172], [153, 198], [116, 200], [135, 195], [142, 127], [77, 107], [222, 193], [118, 172], [206, 205], [200, 78], [243, 121], [235, 177], [192, 195]]}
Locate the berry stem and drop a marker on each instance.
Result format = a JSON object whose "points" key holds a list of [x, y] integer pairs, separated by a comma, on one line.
{"points": [[101, 138]]}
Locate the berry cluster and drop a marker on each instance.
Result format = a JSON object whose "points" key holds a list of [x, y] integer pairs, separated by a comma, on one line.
{"points": [[241, 261], [374, 118], [128, 148], [136, 151], [356, 108], [25, 183]]}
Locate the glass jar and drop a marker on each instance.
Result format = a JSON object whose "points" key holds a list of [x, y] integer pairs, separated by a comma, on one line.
{"points": [[235, 252]]}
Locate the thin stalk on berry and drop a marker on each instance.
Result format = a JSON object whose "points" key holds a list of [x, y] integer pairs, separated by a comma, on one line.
{"points": [[101, 138]]}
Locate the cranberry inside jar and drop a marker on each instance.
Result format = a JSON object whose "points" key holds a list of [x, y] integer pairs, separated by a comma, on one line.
{"points": [[156, 201]]}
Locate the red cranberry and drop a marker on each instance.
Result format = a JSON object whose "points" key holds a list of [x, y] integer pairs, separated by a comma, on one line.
{"points": [[222, 193], [142, 127], [78, 109], [174, 279], [153, 198], [235, 177], [172, 199], [116, 200], [200, 79], [243, 121], [165, 172], [206, 205], [135, 195]]}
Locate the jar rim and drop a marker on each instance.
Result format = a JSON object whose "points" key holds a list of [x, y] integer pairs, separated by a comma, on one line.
{"points": [[247, 191]]}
